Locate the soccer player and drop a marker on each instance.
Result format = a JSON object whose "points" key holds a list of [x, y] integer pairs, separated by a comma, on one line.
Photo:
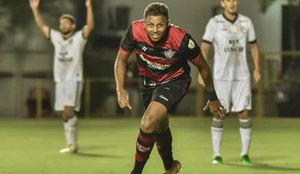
{"points": [[163, 51], [68, 71], [229, 34]]}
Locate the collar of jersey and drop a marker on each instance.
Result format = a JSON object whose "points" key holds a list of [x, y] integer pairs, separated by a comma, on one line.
{"points": [[231, 21]]}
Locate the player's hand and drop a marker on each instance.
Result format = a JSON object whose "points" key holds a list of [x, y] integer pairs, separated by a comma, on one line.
{"points": [[215, 108], [88, 3], [123, 99], [34, 3], [256, 75]]}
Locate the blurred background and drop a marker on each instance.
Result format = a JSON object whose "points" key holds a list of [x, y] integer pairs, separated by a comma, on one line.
{"points": [[26, 57]]}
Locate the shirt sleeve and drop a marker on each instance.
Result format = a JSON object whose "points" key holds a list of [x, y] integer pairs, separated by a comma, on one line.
{"points": [[54, 35], [79, 36], [209, 32], [251, 33], [127, 43], [190, 49]]}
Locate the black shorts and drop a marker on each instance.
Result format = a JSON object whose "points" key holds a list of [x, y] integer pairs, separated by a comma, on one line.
{"points": [[169, 94]]}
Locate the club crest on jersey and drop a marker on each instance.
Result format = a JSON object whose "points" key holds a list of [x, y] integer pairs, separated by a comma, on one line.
{"points": [[169, 53], [191, 44], [233, 29]]}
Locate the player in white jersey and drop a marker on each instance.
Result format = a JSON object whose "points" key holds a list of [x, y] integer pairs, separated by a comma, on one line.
{"points": [[229, 34], [68, 71]]}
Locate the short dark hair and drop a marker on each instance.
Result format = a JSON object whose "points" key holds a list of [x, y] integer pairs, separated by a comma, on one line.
{"points": [[156, 9], [67, 16]]}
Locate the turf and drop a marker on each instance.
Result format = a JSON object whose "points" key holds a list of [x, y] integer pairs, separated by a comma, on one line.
{"points": [[107, 147]]}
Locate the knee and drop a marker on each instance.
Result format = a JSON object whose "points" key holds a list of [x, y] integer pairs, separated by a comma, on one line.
{"points": [[148, 124], [243, 114], [68, 113]]}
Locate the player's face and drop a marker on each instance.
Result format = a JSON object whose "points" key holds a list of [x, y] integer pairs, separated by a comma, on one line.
{"points": [[66, 26], [230, 6], [156, 27]]}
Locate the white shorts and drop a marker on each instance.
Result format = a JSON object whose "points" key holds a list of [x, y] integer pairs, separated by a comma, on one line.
{"points": [[234, 95], [68, 94]]}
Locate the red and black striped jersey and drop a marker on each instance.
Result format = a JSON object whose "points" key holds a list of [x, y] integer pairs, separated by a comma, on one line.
{"points": [[163, 62]]}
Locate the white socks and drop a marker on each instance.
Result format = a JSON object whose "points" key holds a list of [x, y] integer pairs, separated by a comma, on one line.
{"points": [[216, 134], [245, 133], [71, 128]]}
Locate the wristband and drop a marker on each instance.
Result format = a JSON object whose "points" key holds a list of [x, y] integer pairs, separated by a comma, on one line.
{"points": [[212, 96]]}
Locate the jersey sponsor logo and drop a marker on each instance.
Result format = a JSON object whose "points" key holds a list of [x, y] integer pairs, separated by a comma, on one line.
{"points": [[233, 49], [169, 53], [191, 44], [63, 54], [163, 97], [234, 46], [63, 57], [233, 41], [154, 65]]}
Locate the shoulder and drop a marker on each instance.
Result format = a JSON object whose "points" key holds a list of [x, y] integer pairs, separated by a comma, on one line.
{"points": [[181, 37], [78, 33], [176, 29], [217, 19], [176, 32], [137, 30], [244, 18], [138, 26], [54, 34]]}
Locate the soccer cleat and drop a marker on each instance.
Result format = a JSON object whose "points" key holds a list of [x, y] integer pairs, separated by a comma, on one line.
{"points": [[71, 148], [245, 159], [176, 167], [217, 160]]}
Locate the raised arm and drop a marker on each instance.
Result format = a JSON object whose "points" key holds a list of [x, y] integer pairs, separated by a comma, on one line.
{"points": [[34, 4], [89, 26]]}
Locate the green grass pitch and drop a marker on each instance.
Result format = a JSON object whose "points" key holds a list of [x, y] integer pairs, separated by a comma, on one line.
{"points": [[107, 147]]}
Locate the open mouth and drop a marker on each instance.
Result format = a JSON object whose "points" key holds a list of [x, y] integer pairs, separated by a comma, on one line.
{"points": [[155, 36]]}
